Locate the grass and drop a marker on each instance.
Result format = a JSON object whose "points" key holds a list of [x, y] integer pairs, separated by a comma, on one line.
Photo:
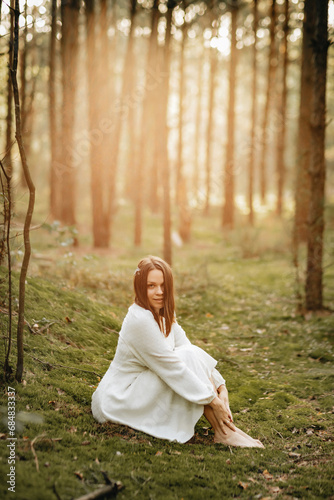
{"points": [[235, 298]]}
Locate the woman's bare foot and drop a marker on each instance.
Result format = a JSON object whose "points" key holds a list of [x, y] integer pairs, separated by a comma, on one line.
{"points": [[237, 438], [249, 437]]}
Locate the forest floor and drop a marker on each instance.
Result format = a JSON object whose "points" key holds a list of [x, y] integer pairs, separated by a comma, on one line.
{"points": [[236, 298]]}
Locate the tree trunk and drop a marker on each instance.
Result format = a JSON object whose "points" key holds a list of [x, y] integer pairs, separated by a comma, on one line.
{"points": [[146, 128], [198, 125], [69, 53], [281, 115], [228, 207], [179, 162], [313, 289], [210, 126], [164, 138], [302, 187], [9, 119], [54, 131], [31, 187], [253, 118], [131, 168], [272, 63], [95, 91], [154, 109], [28, 87], [120, 117]]}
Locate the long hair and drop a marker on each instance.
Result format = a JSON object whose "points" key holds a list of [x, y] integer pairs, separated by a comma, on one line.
{"points": [[140, 287]]}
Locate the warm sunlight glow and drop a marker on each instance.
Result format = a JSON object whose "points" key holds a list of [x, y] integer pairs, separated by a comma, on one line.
{"points": [[331, 14], [222, 42]]}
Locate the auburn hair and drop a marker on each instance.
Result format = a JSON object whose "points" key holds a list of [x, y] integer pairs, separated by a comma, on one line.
{"points": [[140, 287]]}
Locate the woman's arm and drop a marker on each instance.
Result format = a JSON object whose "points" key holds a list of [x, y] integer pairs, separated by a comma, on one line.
{"points": [[182, 339], [180, 335], [148, 344]]}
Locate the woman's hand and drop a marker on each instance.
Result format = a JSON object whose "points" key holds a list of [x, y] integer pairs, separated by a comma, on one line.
{"points": [[221, 414], [223, 396]]}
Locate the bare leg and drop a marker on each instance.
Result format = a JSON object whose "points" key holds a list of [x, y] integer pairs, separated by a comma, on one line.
{"points": [[231, 438]]}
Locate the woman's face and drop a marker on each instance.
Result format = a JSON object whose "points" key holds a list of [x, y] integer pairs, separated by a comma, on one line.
{"points": [[155, 289]]}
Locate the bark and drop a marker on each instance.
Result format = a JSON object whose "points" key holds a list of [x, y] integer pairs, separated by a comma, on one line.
{"points": [[9, 119], [154, 110], [69, 58], [164, 138], [31, 187], [228, 207], [5, 248], [281, 115], [272, 63], [28, 91], [314, 285], [130, 188], [53, 125], [302, 187], [181, 182], [179, 162], [147, 120], [23, 87], [210, 125], [253, 119], [119, 118], [95, 91], [198, 124]]}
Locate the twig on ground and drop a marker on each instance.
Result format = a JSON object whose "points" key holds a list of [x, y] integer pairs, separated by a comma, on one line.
{"points": [[33, 449], [110, 330], [55, 491], [110, 489], [280, 435], [63, 366]]}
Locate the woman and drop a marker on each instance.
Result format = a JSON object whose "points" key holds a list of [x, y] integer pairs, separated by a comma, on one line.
{"points": [[158, 382]]}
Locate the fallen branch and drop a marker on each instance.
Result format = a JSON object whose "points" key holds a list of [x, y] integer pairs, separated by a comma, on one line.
{"points": [[49, 365], [110, 489], [33, 449]]}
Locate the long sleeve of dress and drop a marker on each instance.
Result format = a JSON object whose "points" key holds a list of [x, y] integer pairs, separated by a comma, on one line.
{"points": [[182, 339], [145, 340]]}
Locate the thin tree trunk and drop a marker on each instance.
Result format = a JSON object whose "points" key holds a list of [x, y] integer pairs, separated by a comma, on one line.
{"points": [[105, 102], [302, 187], [164, 138], [31, 187], [198, 124], [210, 127], [23, 86], [9, 119], [69, 52], [281, 114], [313, 291], [181, 182], [54, 137], [179, 162], [154, 109], [253, 118], [146, 129], [28, 95], [5, 242], [119, 118], [228, 207], [95, 91], [270, 83], [131, 169]]}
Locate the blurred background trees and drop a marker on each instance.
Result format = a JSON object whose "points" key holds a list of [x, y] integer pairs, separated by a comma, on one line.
{"points": [[175, 108]]}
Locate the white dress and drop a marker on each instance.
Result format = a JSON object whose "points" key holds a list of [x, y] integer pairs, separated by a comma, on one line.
{"points": [[155, 384]]}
